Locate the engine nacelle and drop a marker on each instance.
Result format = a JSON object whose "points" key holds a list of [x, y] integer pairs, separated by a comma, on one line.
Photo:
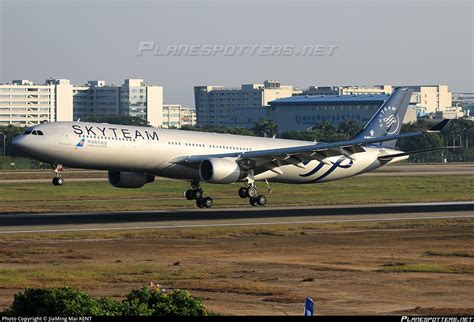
{"points": [[217, 170], [123, 179]]}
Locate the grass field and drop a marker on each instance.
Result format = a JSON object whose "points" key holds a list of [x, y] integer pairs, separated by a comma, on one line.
{"points": [[347, 268], [168, 194], [422, 266]]}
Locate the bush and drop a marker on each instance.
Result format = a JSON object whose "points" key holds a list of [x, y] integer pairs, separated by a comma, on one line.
{"points": [[146, 301], [53, 302], [74, 302]]}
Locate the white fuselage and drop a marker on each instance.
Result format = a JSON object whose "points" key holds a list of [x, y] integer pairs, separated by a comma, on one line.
{"points": [[151, 150]]}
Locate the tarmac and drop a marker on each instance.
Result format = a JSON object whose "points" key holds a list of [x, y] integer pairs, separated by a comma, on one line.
{"points": [[193, 218]]}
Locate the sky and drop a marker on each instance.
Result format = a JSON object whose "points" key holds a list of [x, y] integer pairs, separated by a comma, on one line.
{"points": [[373, 42]]}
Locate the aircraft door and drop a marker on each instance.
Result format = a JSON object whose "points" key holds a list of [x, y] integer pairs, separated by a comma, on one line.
{"points": [[64, 135]]}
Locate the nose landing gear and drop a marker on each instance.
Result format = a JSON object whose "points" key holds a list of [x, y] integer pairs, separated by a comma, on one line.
{"points": [[57, 180]]}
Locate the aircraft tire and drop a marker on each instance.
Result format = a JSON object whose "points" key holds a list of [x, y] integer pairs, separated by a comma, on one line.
{"points": [[189, 194], [261, 200], [197, 193], [200, 202], [243, 192], [253, 201], [251, 192], [208, 202]]}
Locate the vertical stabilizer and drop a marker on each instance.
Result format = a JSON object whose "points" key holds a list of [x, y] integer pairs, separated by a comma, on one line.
{"points": [[389, 117]]}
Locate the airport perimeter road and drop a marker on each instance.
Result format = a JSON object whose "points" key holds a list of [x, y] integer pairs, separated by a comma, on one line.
{"points": [[69, 222]]}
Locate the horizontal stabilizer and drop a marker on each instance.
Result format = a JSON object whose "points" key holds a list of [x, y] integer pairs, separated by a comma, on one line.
{"points": [[438, 127], [402, 154]]}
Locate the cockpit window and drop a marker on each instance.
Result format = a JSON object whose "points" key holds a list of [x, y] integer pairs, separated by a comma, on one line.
{"points": [[34, 133], [27, 132], [39, 132]]}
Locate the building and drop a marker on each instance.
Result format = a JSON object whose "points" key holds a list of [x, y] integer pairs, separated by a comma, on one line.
{"points": [[466, 102], [431, 98], [348, 90], [23, 103], [133, 98], [219, 106], [426, 98], [449, 113], [299, 113], [463, 99], [175, 115], [96, 99], [143, 101], [245, 106]]}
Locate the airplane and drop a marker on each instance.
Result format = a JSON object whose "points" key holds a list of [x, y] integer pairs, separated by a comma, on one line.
{"points": [[133, 156]]}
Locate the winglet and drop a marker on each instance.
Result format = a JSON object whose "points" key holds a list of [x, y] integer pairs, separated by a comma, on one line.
{"points": [[438, 127]]}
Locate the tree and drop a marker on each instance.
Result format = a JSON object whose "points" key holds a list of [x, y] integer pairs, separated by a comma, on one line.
{"points": [[68, 301], [349, 128], [118, 119], [267, 128], [459, 132], [426, 141], [323, 126], [10, 131], [299, 135], [219, 129], [53, 302], [147, 301]]}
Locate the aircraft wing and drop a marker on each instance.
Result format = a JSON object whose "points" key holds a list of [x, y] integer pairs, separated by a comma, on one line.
{"points": [[272, 159], [294, 155]]}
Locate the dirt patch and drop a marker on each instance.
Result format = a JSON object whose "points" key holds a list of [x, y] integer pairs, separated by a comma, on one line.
{"points": [[433, 311], [405, 269]]}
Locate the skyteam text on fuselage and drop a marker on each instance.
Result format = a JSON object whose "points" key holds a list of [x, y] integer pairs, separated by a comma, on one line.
{"points": [[135, 155]]}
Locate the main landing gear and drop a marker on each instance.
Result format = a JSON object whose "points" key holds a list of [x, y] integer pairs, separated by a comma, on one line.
{"points": [[58, 180], [250, 191], [196, 193]]}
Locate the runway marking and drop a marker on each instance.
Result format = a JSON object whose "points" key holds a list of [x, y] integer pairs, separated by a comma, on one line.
{"points": [[231, 225]]}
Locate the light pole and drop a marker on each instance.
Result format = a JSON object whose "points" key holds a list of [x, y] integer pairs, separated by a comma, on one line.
{"points": [[4, 140]]}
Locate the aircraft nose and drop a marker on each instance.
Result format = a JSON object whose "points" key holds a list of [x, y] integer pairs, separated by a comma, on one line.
{"points": [[19, 142]]}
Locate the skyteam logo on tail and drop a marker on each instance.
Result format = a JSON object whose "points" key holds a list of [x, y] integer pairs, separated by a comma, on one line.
{"points": [[389, 120], [81, 143]]}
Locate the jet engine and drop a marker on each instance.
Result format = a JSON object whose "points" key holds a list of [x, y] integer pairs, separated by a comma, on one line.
{"points": [[123, 179], [215, 170]]}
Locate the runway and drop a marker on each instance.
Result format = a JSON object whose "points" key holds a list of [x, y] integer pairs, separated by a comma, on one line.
{"points": [[132, 220]]}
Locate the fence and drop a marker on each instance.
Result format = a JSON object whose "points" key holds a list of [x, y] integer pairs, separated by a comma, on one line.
{"points": [[21, 164]]}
